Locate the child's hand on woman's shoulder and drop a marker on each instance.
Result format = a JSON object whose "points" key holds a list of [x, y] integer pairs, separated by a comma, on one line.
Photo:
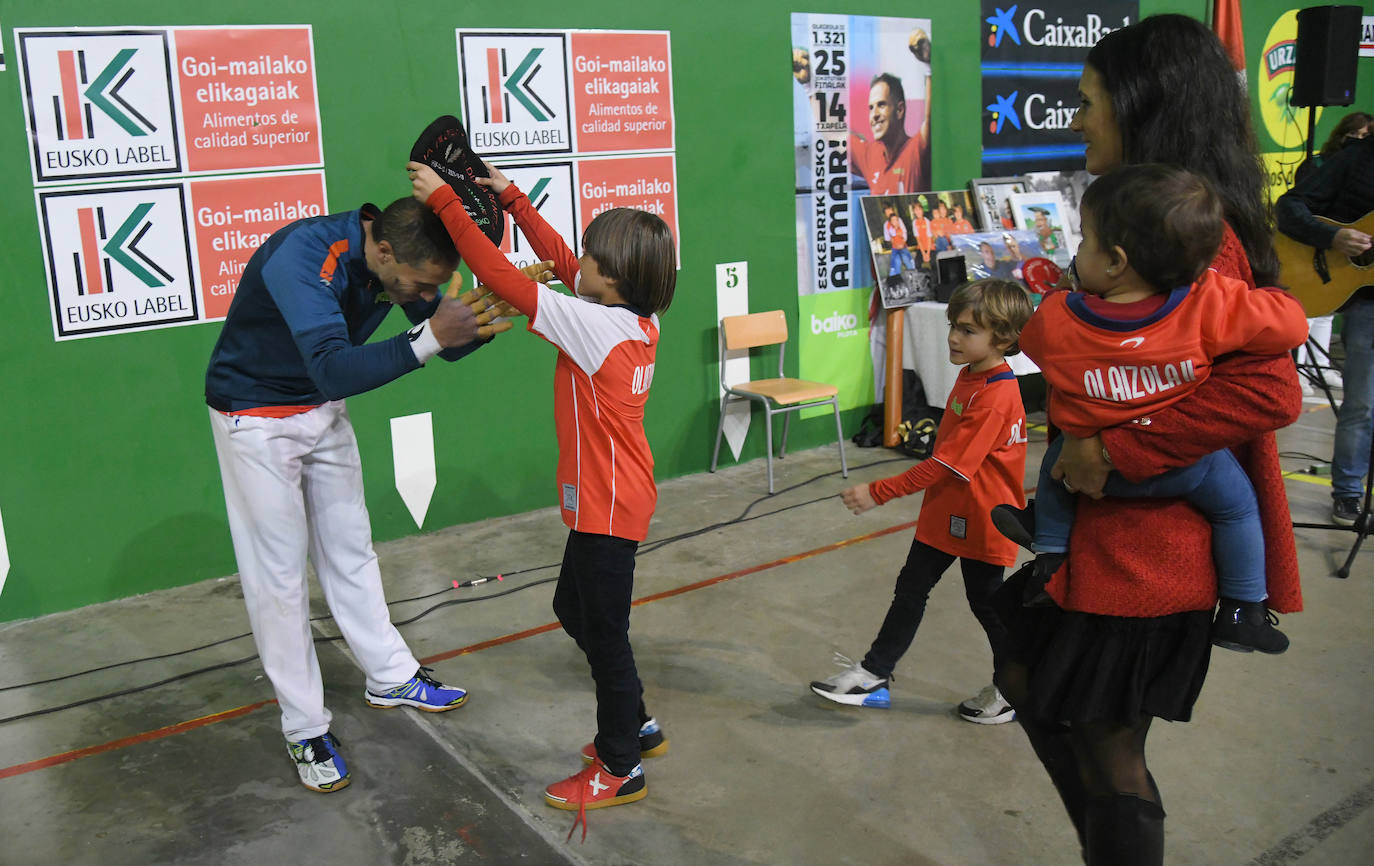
{"points": [[857, 499]]}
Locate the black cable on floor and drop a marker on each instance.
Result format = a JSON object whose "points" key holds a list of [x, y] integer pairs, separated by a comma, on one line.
{"points": [[649, 548]]}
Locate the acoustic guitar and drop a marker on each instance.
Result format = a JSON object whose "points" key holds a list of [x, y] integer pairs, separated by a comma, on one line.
{"points": [[1322, 294]]}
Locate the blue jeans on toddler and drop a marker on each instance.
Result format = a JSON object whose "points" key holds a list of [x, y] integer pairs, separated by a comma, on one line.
{"points": [[900, 256], [1214, 485]]}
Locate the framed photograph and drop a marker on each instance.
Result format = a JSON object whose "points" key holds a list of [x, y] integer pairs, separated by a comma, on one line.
{"points": [[996, 254], [990, 196], [1069, 184], [906, 235], [1046, 214]]}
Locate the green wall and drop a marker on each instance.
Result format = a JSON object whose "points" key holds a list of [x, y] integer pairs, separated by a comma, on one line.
{"points": [[108, 480]]}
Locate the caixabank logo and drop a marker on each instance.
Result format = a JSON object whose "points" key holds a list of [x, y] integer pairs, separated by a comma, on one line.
{"points": [[1030, 124], [515, 91], [1050, 31], [117, 258], [98, 103]]}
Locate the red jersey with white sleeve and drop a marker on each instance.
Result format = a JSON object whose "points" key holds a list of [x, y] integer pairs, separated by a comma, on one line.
{"points": [[601, 378], [1103, 372], [979, 461]]}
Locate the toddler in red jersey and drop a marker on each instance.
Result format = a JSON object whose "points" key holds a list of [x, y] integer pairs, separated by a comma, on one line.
{"points": [[1138, 335], [979, 462], [607, 335]]}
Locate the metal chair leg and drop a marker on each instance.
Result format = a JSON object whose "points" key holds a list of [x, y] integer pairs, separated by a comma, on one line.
{"points": [[768, 432], [786, 422], [839, 438], [720, 431]]}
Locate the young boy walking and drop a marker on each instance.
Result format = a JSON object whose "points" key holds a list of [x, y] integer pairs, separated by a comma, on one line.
{"points": [[979, 462]]}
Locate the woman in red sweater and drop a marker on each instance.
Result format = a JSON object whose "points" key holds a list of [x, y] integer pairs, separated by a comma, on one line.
{"points": [[1128, 640]]}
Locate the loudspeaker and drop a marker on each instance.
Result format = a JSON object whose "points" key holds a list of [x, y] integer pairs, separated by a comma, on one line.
{"points": [[1328, 50]]}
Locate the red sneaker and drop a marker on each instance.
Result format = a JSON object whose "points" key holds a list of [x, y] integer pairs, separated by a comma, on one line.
{"points": [[595, 787]]}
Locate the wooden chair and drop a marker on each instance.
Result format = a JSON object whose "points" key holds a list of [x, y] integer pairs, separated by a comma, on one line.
{"points": [[780, 396]]}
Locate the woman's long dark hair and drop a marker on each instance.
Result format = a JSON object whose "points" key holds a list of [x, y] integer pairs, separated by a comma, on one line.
{"points": [[1178, 101], [1346, 125]]}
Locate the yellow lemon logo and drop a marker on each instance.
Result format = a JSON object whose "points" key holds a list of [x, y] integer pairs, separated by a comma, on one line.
{"points": [[1273, 83]]}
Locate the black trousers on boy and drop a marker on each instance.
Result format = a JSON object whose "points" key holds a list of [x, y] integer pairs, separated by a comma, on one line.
{"points": [[592, 602], [924, 567]]}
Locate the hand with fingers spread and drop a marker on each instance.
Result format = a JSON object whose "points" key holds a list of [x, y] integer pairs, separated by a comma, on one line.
{"points": [[486, 310], [540, 272]]}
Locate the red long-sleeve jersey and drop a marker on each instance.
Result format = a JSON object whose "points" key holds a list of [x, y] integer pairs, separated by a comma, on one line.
{"points": [[1103, 371], [601, 378], [979, 461]]}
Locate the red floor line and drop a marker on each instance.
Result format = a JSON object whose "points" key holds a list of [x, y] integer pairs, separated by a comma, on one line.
{"points": [[701, 584], [54, 760], [147, 736]]}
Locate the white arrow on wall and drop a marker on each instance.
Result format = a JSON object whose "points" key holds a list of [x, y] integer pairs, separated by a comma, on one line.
{"points": [[4, 556], [412, 455], [732, 299]]}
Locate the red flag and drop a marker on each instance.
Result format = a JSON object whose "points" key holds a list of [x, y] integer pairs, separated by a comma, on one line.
{"points": [[1226, 24]]}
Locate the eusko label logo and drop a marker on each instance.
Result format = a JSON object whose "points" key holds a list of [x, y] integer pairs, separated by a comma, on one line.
{"points": [[515, 91], [550, 188], [835, 323], [117, 259], [98, 103]]}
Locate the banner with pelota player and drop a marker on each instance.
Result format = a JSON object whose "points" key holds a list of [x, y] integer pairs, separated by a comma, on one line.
{"points": [[580, 120], [1032, 56], [861, 126], [132, 133]]}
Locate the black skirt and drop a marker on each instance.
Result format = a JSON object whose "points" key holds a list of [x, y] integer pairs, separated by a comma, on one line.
{"points": [[1084, 667]]}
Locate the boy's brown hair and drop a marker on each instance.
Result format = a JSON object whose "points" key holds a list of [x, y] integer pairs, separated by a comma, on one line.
{"points": [[637, 250], [1001, 306], [1168, 220]]}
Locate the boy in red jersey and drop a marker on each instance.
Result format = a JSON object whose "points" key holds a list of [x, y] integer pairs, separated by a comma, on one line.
{"points": [[979, 462], [1140, 335], [607, 338]]}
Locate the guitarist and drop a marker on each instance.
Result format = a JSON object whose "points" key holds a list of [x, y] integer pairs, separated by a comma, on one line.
{"points": [[1342, 189]]}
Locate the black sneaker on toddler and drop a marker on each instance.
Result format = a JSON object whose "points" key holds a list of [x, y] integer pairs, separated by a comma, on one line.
{"points": [[1244, 626]]}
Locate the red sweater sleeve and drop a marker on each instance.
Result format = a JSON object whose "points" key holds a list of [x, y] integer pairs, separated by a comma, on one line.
{"points": [[487, 262], [547, 243], [918, 477]]}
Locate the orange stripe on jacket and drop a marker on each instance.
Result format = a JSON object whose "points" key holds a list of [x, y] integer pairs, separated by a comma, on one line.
{"points": [[331, 261]]}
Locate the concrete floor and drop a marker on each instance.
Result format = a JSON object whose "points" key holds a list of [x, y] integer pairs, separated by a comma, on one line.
{"points": [[1277, 766]]}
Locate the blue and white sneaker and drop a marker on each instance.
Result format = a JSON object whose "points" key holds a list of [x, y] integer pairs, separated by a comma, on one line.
{"points": [[319, 763], [422, 692], [854, 686]]}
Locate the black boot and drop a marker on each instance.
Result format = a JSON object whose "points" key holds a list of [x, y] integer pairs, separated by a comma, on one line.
{"points": [[1247, 625], [1124, 830]]}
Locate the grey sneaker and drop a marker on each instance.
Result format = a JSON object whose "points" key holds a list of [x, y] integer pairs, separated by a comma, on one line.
{"points": [[854, 686], [988, 708], [1346, 510]]}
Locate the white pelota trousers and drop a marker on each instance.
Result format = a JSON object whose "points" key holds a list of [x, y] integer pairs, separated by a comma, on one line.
{"points": [[293, 488]]}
